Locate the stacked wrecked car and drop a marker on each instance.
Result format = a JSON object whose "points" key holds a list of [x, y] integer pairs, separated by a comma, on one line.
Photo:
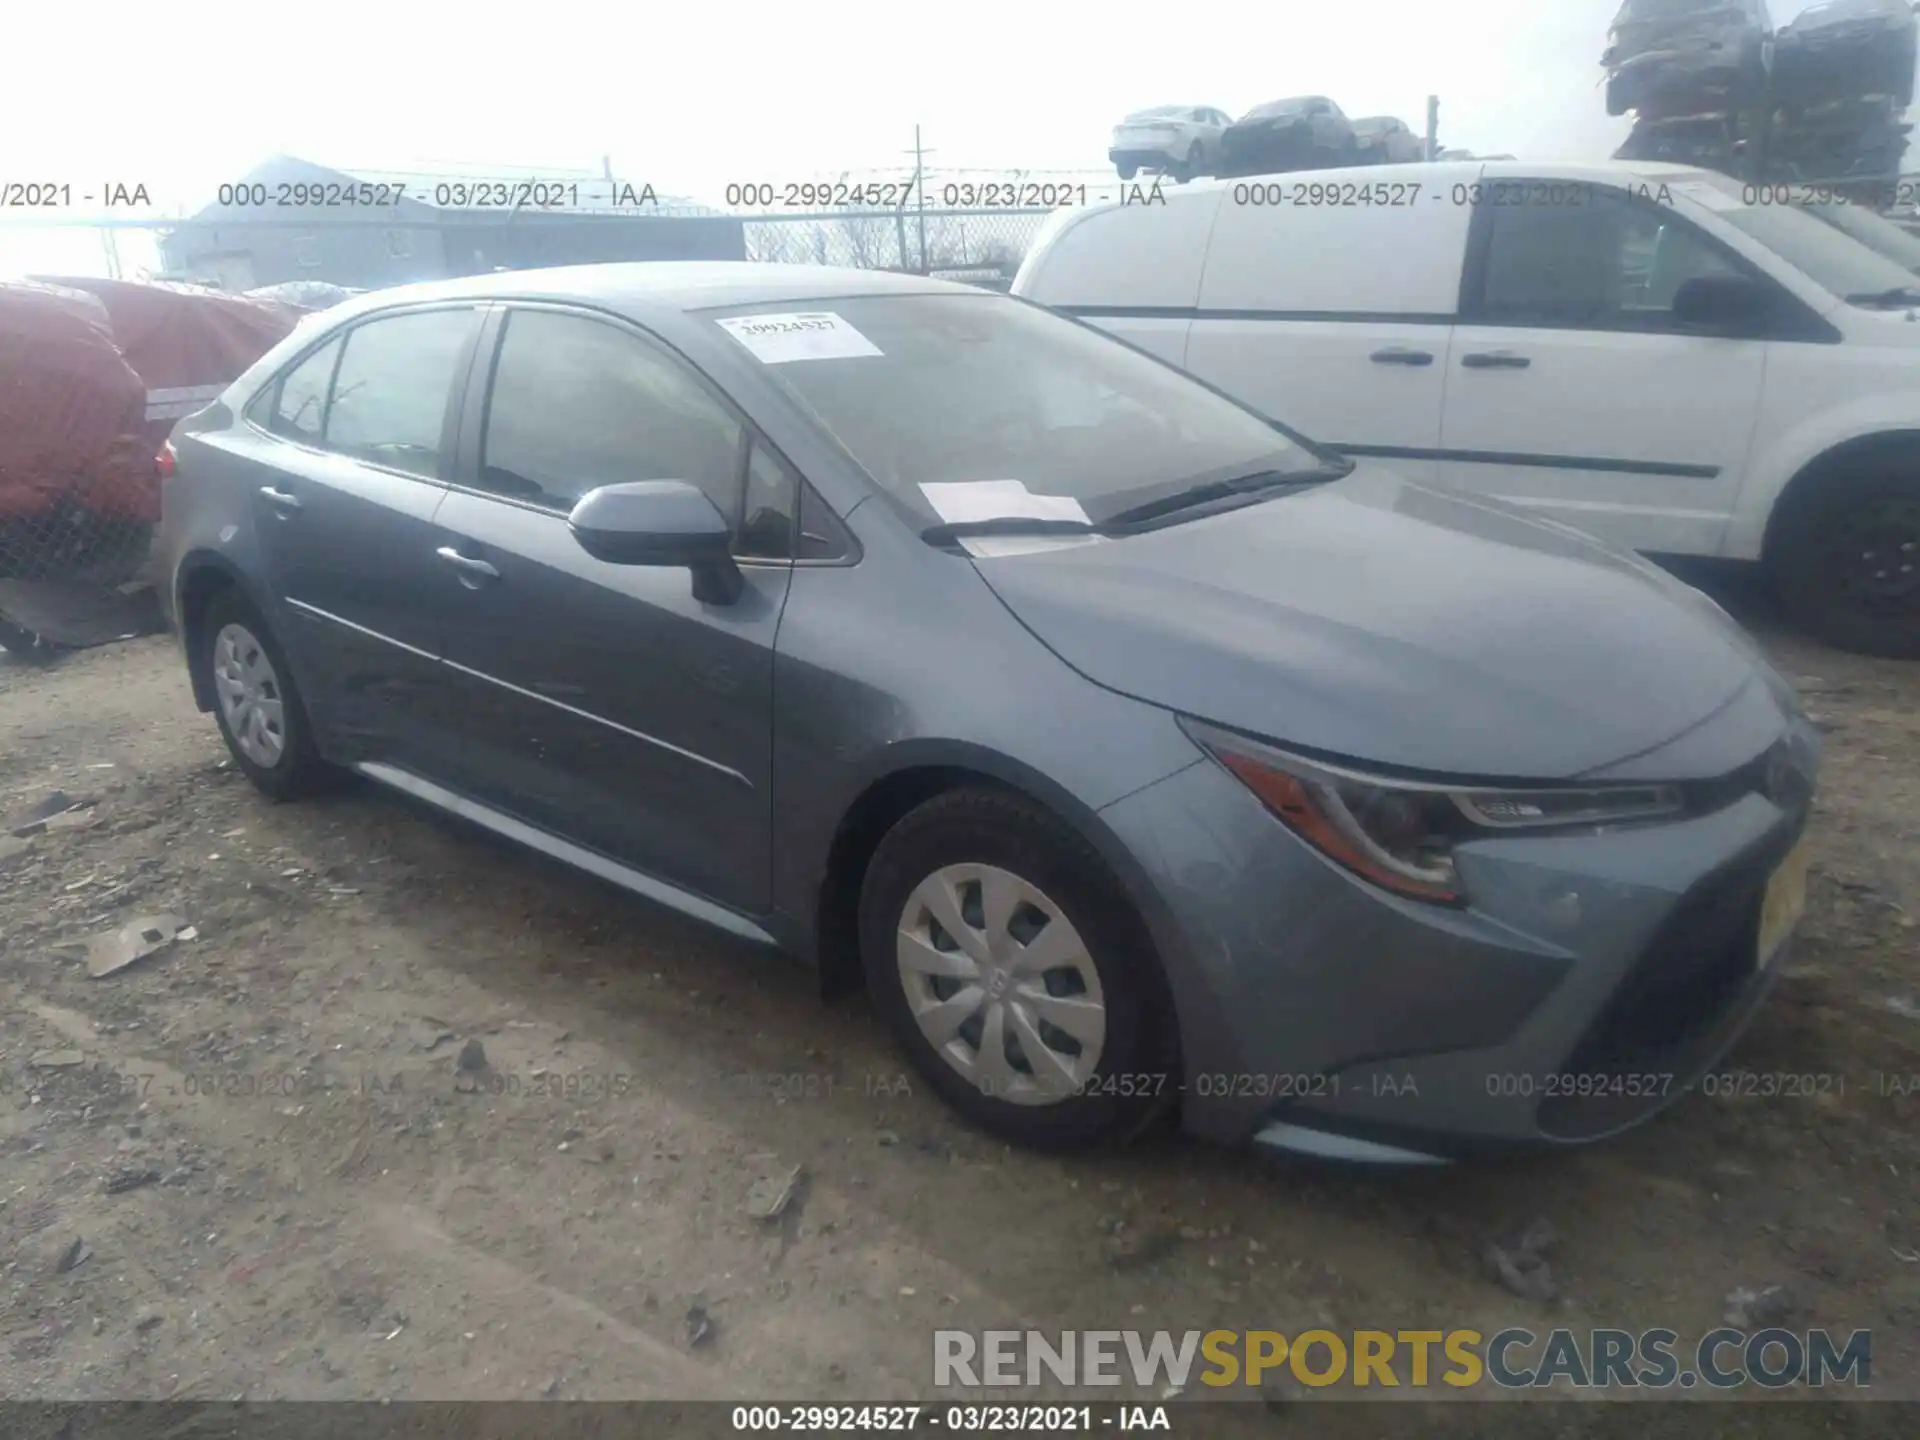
{"points": [[1711, 82]]}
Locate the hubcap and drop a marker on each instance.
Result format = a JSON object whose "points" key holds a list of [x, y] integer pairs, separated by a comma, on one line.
{"points": [[250, 699], [1001, 984], [1877, 555]]}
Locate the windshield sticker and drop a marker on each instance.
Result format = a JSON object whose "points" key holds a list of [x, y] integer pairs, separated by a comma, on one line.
{"points": [[1708, 195], [961, 501], [812, 335]]}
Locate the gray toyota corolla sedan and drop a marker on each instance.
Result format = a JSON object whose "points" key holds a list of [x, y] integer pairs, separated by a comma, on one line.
{"points": [[1140, 755]]}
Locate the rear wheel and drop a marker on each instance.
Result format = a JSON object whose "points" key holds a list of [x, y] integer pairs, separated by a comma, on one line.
{"points": [[256, 703], [1848, 567], [1127, 169], [1011, 969]]}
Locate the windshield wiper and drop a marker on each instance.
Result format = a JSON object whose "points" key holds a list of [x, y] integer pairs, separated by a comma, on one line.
{"points": [[952, 530], [1212, 490], [1894, 299]]}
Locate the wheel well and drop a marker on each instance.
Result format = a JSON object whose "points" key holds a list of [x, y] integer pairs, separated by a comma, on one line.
{"points": [[195, 596], [1801, 490]]}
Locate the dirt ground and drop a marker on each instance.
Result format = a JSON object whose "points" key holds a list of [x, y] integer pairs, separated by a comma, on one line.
{"points": [[285, 1189]]}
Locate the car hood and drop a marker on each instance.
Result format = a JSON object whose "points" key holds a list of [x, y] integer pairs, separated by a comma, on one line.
{"points": [[1378, 620]]}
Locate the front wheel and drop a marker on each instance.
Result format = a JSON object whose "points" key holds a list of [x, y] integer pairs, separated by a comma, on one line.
{"points": [[1010, 968], [1848, 568], [1127, 169]]}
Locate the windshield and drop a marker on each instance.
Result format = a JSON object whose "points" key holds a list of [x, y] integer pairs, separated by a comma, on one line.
{"points": [[1158, 112], [1279, 107], [1825, 254], [1876, 232], [994, 393]]}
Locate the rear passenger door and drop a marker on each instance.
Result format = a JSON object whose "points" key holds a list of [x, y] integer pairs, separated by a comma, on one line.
{"points": [[601, 702], [1575, 391], [350, 445], [1335, 317]]}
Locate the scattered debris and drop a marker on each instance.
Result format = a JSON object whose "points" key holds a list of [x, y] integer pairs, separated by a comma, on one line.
{"points": [[467, 1069], [73, 1257], [888, 1137], [836, 1371], [10, 847], [1904, 1006], [769, 1197], [192, 932], [700, 1325], [551, 1388], [1135, 1249], [1759, 1309], [149, 1320], [111, 953], [57, 802], [127, 1180], [1522, 1266], [57, 1060]]}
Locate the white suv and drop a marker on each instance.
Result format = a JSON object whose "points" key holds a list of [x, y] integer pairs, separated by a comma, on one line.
{"points": [[1634, 350]]}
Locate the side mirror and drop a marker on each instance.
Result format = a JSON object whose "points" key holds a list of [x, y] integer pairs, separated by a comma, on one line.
{"points": [[661, 522], [1722, 304]]}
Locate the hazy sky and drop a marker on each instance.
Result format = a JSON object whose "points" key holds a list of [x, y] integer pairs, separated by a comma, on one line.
{"points": [[691, 97]]}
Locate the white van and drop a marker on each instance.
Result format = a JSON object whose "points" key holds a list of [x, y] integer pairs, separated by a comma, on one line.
{"points": [[1659, 355]]}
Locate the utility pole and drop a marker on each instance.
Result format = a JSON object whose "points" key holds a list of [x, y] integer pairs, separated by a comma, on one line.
{"points": [[1433, 128], [920, 192]]}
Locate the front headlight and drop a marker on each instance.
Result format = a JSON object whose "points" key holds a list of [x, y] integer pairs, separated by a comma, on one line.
{"points": [[1401, 834]]}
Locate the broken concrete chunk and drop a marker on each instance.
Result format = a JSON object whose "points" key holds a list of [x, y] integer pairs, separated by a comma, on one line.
{"points": [[137, 939], [769, 1197], [57, 1060]]}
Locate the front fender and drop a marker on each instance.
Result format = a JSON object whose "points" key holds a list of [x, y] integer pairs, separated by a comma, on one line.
{"points": [[1882, 414]]}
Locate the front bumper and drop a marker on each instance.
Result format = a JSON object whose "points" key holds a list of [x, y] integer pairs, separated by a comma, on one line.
{"points": [[1591, 981]]}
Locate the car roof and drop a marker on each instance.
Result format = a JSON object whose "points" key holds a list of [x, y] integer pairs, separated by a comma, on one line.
{"points": [[1434, 173], [655, 287]]}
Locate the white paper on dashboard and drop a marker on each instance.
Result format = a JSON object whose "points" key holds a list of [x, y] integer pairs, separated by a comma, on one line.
{"points": [[801, 335], [957, 502]]}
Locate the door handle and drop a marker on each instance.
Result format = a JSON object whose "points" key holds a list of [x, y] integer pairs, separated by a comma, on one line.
{"points": [[1495, 360], [1401, 355], [280, 500], [473, 573]]}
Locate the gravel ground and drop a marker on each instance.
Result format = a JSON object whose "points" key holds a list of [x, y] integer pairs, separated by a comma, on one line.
{"points": [[285, 1188]]}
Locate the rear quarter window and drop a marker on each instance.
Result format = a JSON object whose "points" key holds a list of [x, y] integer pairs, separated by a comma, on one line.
{"points": [[1402, 257], [1144, 254]]}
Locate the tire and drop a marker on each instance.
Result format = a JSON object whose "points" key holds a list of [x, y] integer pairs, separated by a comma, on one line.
{"points": [[1111, 1080], [250, 677], [1188, 168], [1127, 170], [1848, 567]]}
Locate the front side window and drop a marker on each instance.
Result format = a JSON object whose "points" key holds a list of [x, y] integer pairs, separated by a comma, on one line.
{"points": [[300, 403], [956, 389], [576, 404], [1601, 264], [390, 392]]}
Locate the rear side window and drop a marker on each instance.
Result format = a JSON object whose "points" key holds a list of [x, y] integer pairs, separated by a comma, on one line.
{"points": [[1127, 255], [299, 406], [1401, 257], [576, 404], [390, 393]]}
